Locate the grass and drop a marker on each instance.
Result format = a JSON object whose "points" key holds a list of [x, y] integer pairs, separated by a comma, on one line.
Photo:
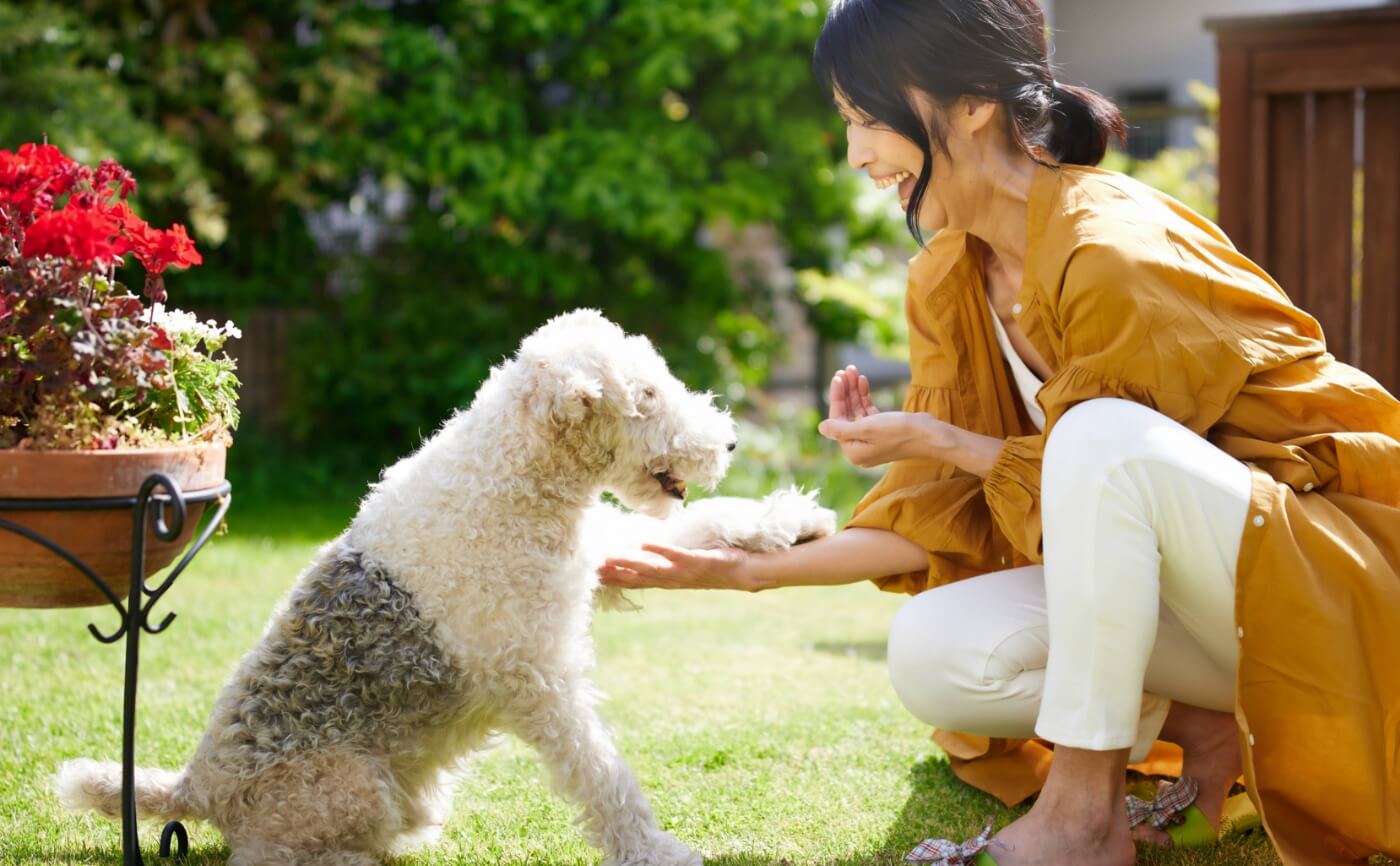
{"points": [[763, 728]]}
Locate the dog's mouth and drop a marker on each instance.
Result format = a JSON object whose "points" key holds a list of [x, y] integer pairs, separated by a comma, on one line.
{"points": [[674, 487]]}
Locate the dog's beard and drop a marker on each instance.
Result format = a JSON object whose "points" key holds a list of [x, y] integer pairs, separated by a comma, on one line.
{"points": [[613, 598]]}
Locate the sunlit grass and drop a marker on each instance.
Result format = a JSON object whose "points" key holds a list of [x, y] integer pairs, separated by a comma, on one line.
{"points": [[763, 728]]}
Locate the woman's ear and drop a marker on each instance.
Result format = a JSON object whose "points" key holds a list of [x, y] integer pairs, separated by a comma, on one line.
{"points": [[971, 114]]}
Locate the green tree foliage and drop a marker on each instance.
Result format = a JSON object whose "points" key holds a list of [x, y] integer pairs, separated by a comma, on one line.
{"points": [[513, 159]]}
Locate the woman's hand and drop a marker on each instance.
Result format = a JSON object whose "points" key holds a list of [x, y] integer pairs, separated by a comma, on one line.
{"points": [[869, 437], [677, 568]]}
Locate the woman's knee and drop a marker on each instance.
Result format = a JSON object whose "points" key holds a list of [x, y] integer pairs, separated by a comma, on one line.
{"points": [[1094, 438], [948, 661], [1099, 431]]}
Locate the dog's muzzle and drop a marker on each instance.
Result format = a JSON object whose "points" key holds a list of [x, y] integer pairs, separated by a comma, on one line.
{"points": [[673, 486]]}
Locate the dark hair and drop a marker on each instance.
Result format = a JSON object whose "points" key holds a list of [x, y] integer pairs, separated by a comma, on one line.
{"points": [[873, 52]]}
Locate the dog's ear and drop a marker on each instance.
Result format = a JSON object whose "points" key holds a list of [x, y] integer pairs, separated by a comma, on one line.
{"points": [[563, 392]]}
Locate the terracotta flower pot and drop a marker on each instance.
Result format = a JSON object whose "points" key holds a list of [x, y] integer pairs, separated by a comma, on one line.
{"points": [[33, 576]]}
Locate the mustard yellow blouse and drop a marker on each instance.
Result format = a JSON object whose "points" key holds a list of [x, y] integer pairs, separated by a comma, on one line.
{"points": [[1127, 293]]}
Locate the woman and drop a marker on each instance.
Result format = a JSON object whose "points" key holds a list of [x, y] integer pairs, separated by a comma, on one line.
{"points": [[1135, 495]]}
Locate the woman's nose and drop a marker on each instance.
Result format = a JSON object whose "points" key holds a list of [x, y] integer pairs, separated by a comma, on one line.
{"points": [[859, 153]]}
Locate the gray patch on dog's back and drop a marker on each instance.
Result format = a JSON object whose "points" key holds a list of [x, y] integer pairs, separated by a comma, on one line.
{"points": [[351, 663]]}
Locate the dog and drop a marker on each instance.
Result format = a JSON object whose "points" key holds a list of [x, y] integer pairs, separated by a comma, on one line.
{"points": [[455, 606]]}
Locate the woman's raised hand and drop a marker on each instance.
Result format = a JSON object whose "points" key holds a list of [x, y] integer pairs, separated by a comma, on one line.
{"points": [[869, 437], [850, 396]]}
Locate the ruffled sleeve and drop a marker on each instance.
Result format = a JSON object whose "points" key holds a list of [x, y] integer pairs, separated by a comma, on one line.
{"points": [[1121, 319], [937, 506]]}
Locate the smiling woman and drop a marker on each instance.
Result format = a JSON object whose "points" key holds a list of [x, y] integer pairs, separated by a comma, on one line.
{"points": [[941, 53], [1130, 486]]}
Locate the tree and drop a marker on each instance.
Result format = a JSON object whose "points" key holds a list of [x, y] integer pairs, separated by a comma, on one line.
{"points": [[514, 159]]}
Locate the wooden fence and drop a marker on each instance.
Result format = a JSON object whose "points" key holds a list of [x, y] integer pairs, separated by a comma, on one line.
{"points": [[1310, 168]]}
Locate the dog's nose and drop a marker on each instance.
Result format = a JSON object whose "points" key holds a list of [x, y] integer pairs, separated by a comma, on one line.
{"points": [[733, 445]]}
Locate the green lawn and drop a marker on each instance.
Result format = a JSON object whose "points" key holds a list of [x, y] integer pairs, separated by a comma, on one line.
{"points": [[762, 727]]}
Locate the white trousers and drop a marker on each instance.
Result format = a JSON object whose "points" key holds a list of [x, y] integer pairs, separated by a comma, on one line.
{"points": [[1133, 608]]}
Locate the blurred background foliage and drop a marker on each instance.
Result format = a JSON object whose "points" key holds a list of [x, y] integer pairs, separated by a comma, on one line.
{"points": [[428, 181]]}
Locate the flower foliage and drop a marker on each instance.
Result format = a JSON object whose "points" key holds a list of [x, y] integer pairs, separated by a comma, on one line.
{"points": [[83, 362]]}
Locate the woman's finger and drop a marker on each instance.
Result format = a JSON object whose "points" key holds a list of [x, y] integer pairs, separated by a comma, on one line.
{"points": [[865, 400], [840, 406], [673, 554], [638, 566], [615, 576], [852, 378]]}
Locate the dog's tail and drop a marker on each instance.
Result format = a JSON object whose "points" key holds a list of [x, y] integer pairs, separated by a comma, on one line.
{"points": [[86, 785]]}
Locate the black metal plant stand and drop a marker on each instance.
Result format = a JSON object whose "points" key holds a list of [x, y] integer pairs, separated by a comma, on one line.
{"points": [[135, 613]]}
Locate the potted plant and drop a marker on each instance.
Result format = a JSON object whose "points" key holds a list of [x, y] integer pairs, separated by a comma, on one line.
{"points": [[98, 389]]}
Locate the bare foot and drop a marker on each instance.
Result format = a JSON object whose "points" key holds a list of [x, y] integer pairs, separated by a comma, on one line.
{"points": [[1210, 743], [1051, 836]]}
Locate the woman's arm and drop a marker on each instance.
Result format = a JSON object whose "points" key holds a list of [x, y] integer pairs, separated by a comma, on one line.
{"points": [[849, 556]]}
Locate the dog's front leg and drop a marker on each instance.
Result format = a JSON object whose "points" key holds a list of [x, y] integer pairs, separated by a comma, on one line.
{"points": [[560, 720], [777, 521]]}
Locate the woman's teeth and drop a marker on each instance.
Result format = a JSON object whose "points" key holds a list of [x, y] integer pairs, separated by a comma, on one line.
{"points": [[891, 180]]}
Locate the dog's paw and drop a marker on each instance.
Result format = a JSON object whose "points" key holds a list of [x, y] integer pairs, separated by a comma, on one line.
{"points": [[785, 518], [775, 522], [658, 848], [799, 512]]}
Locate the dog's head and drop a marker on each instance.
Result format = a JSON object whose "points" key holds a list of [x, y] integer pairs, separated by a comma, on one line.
{"points": [[608, 399]]}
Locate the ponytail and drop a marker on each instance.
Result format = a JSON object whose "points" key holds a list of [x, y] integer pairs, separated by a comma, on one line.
{"points": [[1081, 121]]}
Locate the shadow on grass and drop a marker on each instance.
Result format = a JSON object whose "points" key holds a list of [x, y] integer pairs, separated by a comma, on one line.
{"points": [[939, 805], [869, 650], [199, 855]]}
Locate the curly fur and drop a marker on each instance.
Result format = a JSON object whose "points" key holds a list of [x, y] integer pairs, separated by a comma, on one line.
{"points": [[457, 605]]}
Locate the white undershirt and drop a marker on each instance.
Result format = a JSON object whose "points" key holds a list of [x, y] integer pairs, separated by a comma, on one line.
{"points": [[1026, 381]]}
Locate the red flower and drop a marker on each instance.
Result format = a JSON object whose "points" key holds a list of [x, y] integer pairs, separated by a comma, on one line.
{"points": [[31, 161], [85, 236], [94, 225], [109, 173], [134, 234], [33, 175], [165, 248]]}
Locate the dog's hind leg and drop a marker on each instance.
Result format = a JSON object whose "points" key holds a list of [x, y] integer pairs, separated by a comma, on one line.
{"points": [[425, 813], [559, 719], [334, 807]]}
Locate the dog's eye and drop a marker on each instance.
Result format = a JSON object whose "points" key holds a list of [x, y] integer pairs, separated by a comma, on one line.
{"points": [[649, 393]]}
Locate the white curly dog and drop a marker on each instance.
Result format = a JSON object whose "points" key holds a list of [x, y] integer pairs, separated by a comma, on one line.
{"points": [[457, 605]]}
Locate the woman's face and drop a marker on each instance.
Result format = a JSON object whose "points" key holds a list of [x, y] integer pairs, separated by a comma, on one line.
{"points": [[893, 162]]}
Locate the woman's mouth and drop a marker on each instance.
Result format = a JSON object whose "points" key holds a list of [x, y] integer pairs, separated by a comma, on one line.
{"points": [[891, 179], [906, 189]]}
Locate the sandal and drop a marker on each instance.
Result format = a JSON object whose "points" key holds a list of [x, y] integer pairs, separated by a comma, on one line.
{"points": [[1175, 811], [941, 852]]}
